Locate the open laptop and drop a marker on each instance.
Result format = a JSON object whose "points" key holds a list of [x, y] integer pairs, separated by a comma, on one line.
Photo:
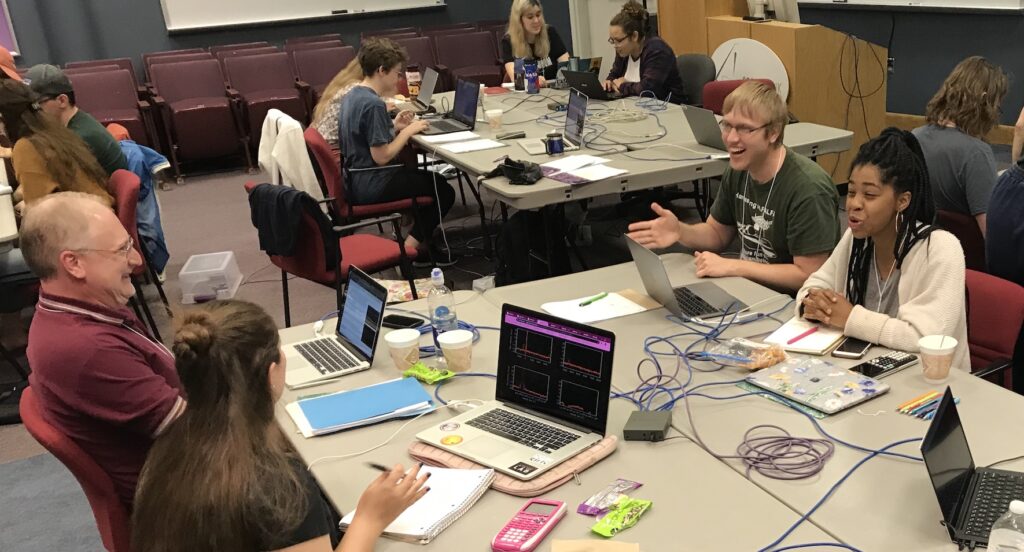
{"points": [[574, 64], [971, 499], [575, 120], [551, 397], [463, 115], [704, 126], [317, 360], [588, 83], [697, 301], [421, 104]]}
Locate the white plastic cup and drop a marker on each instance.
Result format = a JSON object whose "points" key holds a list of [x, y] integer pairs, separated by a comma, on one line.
{"points": [[494, 118], [937, 357], [404, 347], [457, 347]]}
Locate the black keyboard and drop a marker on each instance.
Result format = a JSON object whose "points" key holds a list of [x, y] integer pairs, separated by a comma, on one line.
{"points": [[445, 125], [691, 304], [327, 355], [992, 496], [534, 434]]}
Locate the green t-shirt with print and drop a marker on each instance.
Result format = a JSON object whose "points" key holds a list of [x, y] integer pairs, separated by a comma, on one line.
{"points": [[795, 214]]}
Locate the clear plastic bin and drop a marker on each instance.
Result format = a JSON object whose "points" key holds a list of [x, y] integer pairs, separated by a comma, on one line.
{"points": [[209, 276]]}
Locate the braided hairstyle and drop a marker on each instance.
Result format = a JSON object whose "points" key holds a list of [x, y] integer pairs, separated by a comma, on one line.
{"points": [[900, 162]]}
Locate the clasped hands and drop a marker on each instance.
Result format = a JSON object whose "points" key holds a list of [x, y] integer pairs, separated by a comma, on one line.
{"points": [[828, 307]]}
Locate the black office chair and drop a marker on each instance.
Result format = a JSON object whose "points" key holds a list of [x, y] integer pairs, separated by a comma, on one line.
{"points": [[695, 70]]}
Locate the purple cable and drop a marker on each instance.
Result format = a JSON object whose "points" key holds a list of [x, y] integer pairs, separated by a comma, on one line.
{"points": [[774, 456]]}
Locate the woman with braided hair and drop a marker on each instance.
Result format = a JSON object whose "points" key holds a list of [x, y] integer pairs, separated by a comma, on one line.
{"points": [[894, 277]]}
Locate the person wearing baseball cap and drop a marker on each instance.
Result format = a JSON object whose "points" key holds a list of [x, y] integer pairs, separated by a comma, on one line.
{"points": [[7, 68], [57, 99]]}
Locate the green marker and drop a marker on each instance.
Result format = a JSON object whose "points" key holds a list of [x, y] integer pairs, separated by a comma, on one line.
{"points": [[597, 297]]}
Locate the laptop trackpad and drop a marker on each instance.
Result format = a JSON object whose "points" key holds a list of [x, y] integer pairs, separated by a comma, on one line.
{"points": [[485, 446]]}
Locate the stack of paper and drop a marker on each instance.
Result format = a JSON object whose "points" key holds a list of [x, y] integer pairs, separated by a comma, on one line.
{"points": [[802, 336], [472, 145], [450, 137], [452, 494], [612, 305], [579, 169], [397, 398]]}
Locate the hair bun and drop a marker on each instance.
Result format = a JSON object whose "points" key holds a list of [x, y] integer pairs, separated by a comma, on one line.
{"points": [[195, 335], [635, 10]]}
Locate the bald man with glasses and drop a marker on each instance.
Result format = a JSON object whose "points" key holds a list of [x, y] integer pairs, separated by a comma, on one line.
{"points": [[99, 376], [783, 206]]}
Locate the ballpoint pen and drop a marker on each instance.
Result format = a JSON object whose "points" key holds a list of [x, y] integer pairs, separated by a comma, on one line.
{"points": [[597, 297]]}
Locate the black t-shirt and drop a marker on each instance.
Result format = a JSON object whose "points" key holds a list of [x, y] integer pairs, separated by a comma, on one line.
{"points": [[320, 519], [547, 67]]}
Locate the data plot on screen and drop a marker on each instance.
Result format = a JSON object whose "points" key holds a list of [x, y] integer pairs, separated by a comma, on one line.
{"points": [[581, 400], [584, 361], [529, 383], [532, 345]]}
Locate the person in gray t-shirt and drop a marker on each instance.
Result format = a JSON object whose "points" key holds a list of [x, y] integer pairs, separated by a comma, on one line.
{"points": [[961, 166]]}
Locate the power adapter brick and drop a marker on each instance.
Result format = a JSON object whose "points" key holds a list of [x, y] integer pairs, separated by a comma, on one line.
{"points": [[647, 426]]}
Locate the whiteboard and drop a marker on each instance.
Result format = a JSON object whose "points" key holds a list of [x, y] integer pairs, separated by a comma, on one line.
{"points": [[181, 15], [1015, 5]]}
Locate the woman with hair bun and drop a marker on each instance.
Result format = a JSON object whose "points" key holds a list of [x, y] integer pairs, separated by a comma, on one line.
{"points": [[894, 277], [224, 477], [642, 63]]}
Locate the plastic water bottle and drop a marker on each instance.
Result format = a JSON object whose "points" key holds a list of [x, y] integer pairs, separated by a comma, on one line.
{"points": [[530, 74], [442, 306], [1008, 532]]}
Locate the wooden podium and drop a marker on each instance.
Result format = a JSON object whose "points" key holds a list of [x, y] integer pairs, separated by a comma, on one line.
{"points": [[834, 79]]}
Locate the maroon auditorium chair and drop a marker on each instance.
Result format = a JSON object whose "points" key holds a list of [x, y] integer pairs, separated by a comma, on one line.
{"points": [[242, 46], [292, 49], [715, 92], [172, 58], [318, 67], [111, 97], [122, 63], [265, 82], [470, 56], [315, 38], [421, 52], [225, 55]]}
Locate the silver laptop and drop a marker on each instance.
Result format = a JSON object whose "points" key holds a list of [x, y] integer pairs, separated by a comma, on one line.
{"points": [[463, 114], [575, 120], [422, 103], [699, 301], [704, 126], [317, 360], [551, 397], [822, 386]]}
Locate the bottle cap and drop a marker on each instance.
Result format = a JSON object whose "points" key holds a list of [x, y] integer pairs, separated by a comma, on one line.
{"points": [[436, 276], [1017, 507]]}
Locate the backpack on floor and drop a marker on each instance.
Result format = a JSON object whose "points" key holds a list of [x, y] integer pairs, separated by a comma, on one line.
{"points": [[521, 249]]}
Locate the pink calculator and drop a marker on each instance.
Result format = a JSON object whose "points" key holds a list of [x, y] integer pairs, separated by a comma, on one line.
{"points": [[529, 526]]}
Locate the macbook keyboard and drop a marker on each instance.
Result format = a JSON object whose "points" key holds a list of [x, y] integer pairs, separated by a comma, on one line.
{"points": [[691, 304], [327, 355], [992, 498], [445, 125], [529, 432]]}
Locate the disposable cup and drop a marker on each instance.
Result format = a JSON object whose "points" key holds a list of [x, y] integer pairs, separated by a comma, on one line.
{"points": [[936, 356], [494, 118], [404, 347], [457, 347]]}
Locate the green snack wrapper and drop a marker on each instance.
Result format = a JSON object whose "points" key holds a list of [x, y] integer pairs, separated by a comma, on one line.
{"points": [[427, 374], [623, 515]]}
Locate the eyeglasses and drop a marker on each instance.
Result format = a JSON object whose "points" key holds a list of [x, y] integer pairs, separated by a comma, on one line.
{"points": [[741, 130], [616, 41], [123, 251]]}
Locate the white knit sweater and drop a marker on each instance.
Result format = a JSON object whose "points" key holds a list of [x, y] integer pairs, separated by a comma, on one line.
{"points": [[930, 294]]}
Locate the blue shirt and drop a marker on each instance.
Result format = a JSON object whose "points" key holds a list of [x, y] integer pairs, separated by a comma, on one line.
{"points": [[363, 122], [1004, 239]]}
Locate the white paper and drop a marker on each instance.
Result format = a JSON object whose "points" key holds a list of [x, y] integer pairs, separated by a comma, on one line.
{"points": [[594, 173], [452, 137], [574, 162], [475, 145], [611, 306]]}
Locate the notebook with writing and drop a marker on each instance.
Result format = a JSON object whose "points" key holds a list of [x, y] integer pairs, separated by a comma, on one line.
{"points": [[803, 336], [452, 494]]}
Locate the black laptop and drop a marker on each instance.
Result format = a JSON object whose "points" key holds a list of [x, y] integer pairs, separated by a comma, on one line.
{"points": [[971, 498], [463, 114], [588, 83]]}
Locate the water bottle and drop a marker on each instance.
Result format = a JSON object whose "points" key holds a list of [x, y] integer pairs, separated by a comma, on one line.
{"points": [[1008, 532], [530, 74], [442, 306]]}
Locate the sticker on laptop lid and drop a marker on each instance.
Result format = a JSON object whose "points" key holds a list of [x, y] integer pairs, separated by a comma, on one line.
{"points": [[451, 439], [449, 426], [523, 468]]}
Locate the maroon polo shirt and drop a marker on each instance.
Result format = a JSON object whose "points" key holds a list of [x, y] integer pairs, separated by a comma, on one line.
{"points": [[101, 380]]}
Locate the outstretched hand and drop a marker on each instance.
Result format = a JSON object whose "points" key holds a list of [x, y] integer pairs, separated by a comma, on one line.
{"points": [[658, 233]]}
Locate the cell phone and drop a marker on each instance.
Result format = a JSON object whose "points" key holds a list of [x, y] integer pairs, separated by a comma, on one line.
{"points": [[399, 321], [529, 526], [852, 348]]}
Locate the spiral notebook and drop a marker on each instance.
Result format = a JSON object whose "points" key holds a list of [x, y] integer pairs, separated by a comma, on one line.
{"points": [[452, 493]]}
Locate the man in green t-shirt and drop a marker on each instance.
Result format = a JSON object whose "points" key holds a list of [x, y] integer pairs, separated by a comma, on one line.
{"points": [[57, 99], [783, 205]]}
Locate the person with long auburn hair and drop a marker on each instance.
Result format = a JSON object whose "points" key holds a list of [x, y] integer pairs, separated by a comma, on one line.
{"points": [[894, 277], [47, 157], [224, 477], [961, 166], [325, 114], [531, 38]]}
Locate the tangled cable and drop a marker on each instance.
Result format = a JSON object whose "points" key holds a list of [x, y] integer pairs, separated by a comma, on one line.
{"points": [[783, 456]]}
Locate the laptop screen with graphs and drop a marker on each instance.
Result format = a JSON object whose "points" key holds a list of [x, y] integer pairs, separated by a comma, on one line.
{"points": [[555, 367]]}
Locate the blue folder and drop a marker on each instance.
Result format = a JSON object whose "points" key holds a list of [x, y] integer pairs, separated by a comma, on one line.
{"points": [[369, 404]]}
